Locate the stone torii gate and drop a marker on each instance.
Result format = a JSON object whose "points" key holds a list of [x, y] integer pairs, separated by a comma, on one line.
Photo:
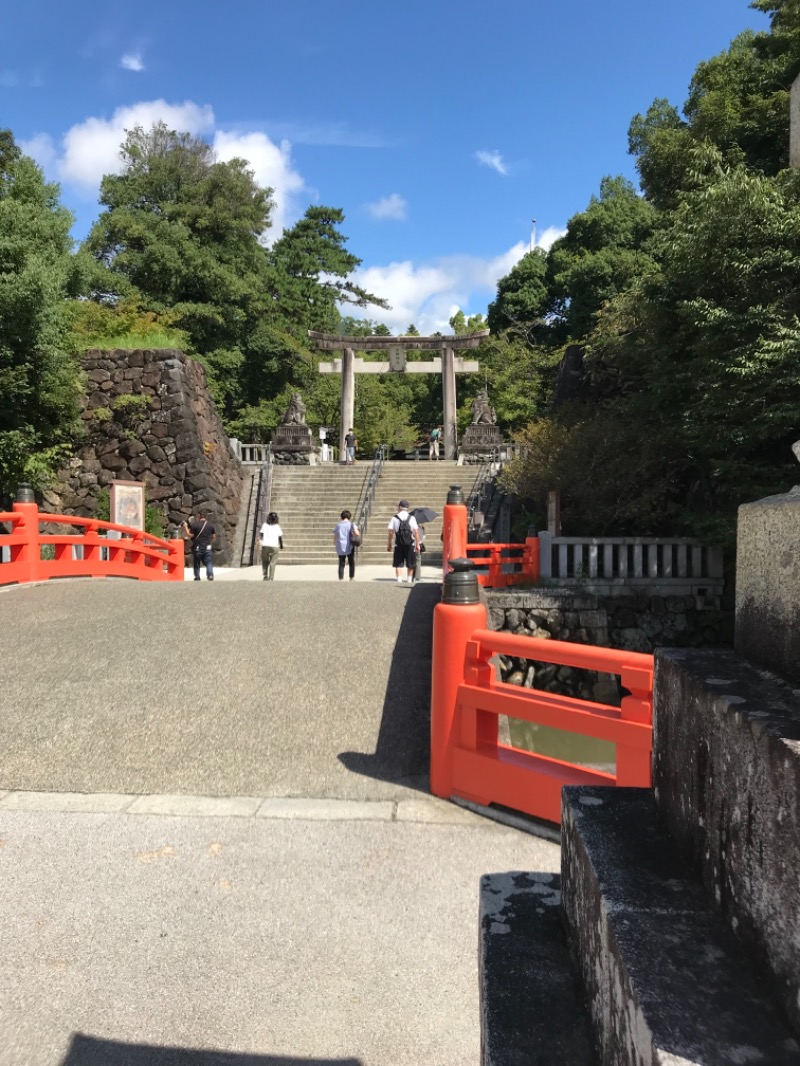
{"points": [[447, 364]]}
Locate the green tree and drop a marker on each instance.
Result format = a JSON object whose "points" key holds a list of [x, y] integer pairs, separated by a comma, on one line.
{"points": [[522, 296], [311, 274], [459, 323], [184, 230], [603, 250], [39, 380], [708, 339]]}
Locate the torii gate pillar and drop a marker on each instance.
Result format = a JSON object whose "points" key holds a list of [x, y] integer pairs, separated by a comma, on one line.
{"points": [[449, 403], [348, 396]]}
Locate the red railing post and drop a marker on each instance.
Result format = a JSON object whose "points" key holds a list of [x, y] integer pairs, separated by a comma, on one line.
{"points": [[634, 765], [455, 619], [177, 549], [28, 555], [531, 566], [454, 529]]}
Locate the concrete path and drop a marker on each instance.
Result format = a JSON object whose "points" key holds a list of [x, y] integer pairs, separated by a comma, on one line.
{"points": [[216, 843]]}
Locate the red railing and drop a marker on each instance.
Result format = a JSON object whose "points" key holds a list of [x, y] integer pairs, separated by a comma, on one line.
{"points": [[135, 555], [494, 563], [497, 565], [467, 698], [467, 759]]}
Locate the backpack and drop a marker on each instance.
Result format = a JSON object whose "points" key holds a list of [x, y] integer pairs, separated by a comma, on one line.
{"points": [[404, 536]]}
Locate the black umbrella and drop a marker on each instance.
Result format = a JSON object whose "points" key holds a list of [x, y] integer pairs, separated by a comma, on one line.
{"points": [[423, 514]]}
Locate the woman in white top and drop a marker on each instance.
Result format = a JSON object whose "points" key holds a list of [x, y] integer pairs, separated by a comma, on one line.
{"points": [[271, 544]]}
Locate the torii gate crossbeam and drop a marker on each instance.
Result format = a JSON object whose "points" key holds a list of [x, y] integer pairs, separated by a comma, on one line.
{"points": [[448, 365]]}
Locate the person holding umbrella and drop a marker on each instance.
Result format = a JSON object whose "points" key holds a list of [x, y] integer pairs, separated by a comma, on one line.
{"points": [[422, 515]]}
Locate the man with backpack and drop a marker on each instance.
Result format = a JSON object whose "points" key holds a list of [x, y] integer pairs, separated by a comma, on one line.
{"points": [[403, 542]]}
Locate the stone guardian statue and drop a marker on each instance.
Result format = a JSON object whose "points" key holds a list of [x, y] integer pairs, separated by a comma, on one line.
{"points": [[295, 414]]}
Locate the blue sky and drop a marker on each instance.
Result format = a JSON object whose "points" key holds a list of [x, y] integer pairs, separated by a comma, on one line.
{"points": [[442, 129]]}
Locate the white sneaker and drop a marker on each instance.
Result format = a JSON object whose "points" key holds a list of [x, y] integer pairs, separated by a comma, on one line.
{"points": [[399, 581]]}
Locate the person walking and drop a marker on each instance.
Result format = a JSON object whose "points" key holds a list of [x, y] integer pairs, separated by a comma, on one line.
{"points": [[346, 538], [271, 544], [433, 443], [350, 445], [202, 534], [403, 542]]}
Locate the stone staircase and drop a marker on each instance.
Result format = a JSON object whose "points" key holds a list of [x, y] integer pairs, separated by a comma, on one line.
{"points": [[423, 484], [673, 933], [309, 500]]}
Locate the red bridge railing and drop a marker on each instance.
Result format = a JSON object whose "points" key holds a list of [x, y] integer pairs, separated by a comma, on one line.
{"points": [[135, 555], [468, 761], [496, 565]]}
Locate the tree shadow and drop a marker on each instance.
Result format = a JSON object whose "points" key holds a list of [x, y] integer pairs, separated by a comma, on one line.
{"points": [[403, 746], [93, 1051]]}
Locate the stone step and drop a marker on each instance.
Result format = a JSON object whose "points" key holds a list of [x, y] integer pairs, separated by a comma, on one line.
{"points": [[532, 1006], [665, 979]]}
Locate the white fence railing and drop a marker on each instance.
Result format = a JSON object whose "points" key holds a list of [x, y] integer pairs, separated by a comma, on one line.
{"points": [[249, 453], [680, 563]]}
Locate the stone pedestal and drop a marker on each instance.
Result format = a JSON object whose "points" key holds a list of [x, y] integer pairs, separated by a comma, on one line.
{"points": [[480, 442], [293, 444], [768, 584]]}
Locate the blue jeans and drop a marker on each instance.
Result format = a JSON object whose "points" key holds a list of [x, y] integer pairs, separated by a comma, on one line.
{"points": [[350, 455], [202, 557]]}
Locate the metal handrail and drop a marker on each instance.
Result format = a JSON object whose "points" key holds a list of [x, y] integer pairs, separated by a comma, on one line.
{"points": [[263, 501], [368, 495], [484, 474]]}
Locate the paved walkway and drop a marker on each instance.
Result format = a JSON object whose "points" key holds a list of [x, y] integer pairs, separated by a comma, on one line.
{"points": [[318, 572], [216, 841]]}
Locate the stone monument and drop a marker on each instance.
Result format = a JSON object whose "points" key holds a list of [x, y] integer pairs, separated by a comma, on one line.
{"points": [[483, 438], [292, 442]]}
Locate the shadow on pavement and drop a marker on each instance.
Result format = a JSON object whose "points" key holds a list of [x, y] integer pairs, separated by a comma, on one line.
{"points": [[402, 750], [91, 1051]]}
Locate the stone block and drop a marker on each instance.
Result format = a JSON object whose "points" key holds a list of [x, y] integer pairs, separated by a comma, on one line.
{"points": [[665, 979], [768, 584], [726, 740], [531, 998]]}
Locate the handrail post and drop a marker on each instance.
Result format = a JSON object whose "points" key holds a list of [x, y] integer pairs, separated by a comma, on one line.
{"points": [[454, 528], [455, 619], [28, 555]]}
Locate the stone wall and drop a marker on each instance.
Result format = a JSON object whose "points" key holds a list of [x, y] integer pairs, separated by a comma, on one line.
{"points": [[172, 439], [638, 622]]}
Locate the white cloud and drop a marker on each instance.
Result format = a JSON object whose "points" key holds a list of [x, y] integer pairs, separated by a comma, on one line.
{"points": [[428, 294], [392, 206], [132, 61], [42, 149], [272, 166], [91, 148], [548, 237], [493, 160]]}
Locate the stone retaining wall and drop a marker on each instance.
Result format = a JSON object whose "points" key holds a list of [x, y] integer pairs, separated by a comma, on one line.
{"points": [[638, 622], [172, 439]]}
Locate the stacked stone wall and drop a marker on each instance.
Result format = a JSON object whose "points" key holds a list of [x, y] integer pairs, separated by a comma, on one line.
{"points": [[172, 439], [639, 622]]}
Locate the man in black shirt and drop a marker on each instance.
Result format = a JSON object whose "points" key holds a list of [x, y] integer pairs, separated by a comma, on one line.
{"points": [[202, 534]]}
